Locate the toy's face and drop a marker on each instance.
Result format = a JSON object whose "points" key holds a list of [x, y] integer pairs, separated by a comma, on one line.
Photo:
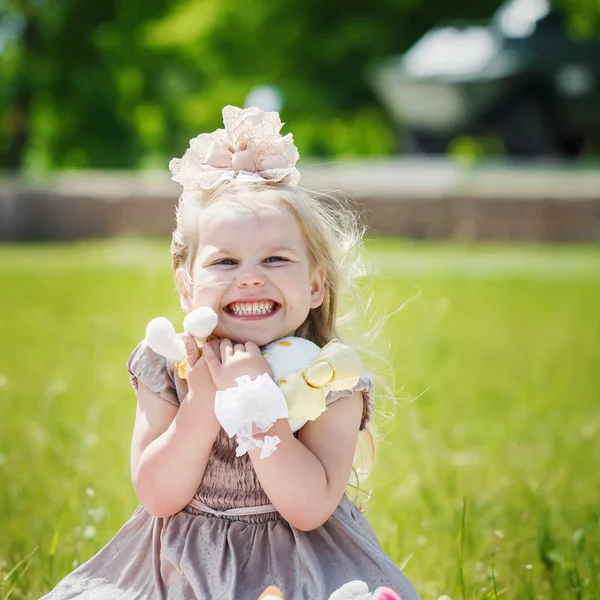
{"points": [[252, 269]]}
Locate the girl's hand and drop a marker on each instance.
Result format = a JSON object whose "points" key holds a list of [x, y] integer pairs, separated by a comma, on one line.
{"points": [[200, 381], [228, 362]]}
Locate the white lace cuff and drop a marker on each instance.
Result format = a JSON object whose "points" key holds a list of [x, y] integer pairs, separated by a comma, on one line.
{"points": [[250, 408]]}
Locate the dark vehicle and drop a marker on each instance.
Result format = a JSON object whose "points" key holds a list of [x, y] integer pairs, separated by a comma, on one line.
{"points": [[520, 77]]}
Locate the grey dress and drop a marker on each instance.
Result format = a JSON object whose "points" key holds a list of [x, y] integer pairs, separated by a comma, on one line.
{"points": [[197, 555]]}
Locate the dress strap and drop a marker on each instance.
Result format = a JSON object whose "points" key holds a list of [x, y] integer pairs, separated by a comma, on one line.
{"points": [[233, 512]]}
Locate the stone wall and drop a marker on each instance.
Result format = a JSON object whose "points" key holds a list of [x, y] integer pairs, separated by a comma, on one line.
{"points": [[429, 199]]}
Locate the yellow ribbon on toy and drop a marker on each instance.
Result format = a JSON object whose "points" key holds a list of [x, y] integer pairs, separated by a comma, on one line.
{"points": [[183, 365], [336, 367], [182, 368]]}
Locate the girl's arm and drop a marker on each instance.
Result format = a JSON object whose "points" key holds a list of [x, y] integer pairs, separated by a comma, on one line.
{"points": [[171, 446], [305, 478]]}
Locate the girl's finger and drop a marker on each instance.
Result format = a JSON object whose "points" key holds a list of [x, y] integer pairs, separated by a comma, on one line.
{"points": [[252, 348], [215, 345], [192, 350], [226, 350], [239, 348], [211, 359]]}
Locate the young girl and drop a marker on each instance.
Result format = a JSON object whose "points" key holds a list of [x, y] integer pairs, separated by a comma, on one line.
{"points": [[267, 257]]}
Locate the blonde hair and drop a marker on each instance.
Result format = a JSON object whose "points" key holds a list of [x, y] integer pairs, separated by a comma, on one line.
{"points": [[333, 235]]}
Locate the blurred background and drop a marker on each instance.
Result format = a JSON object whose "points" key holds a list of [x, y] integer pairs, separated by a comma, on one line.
{"points": [[468, 133], [124, 85], [393, 99]]}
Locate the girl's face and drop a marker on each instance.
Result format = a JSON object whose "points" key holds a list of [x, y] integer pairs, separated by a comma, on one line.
{"points": [[252, 269]]}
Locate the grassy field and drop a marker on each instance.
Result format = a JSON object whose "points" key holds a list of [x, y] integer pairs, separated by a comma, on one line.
{"points": [[487, 479]]}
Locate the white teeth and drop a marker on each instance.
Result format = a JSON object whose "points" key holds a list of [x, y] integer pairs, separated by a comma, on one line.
{"points": [[252, 308]]}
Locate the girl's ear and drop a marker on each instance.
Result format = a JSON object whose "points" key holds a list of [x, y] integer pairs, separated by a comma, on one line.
{"points": [[317, 288], [184, 286]]}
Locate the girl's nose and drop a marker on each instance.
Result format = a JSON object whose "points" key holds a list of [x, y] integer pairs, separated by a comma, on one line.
{"points": [[250, 278]]}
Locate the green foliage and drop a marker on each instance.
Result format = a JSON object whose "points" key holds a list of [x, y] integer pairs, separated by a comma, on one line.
{"points": [[125, 84], [583, 16], [487, 466]]}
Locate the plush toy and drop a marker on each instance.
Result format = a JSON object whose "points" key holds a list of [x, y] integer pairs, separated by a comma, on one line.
{"points": [[359, 590], [303, 374], [161, 336], [271, 593], [354, 590]]}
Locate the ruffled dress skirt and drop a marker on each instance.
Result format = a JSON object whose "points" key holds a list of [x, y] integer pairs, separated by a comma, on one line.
{"points": [[206, 553], [188, 556]]}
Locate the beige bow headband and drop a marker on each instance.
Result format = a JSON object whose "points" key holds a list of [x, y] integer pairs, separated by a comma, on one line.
{"points": [[249, 148]]}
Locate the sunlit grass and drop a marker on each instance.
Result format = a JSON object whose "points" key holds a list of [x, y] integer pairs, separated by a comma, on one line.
{"points": [[486, 482]]}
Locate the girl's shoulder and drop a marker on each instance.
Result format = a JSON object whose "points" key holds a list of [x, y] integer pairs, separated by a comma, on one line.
{"points": [[157, 373], [366, 386]]}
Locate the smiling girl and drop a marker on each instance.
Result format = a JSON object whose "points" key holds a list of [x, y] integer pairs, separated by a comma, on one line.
{"points": [[269, 259]]}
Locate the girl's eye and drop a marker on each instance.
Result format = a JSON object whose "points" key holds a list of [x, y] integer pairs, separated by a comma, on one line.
{"points": [[230, 261]]}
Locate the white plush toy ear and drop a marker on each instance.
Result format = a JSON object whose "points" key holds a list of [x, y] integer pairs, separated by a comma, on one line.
{"points": [[201, 322], [353, 590], [161, 336]]}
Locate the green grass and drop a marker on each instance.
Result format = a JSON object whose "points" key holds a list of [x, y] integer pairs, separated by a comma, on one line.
{"points": [[487, 478]]}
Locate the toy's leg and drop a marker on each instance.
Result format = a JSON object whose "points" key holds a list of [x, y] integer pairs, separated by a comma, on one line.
{"points": [[271, 593]]}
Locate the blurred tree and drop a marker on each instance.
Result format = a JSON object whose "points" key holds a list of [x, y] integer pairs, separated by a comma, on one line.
{"points": [[75, 82], [583, 16], [15, 125], [126, 83], [311, 50]]}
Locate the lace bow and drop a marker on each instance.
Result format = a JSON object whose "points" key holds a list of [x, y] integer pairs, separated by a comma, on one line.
{"points": [[249, 148]]}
